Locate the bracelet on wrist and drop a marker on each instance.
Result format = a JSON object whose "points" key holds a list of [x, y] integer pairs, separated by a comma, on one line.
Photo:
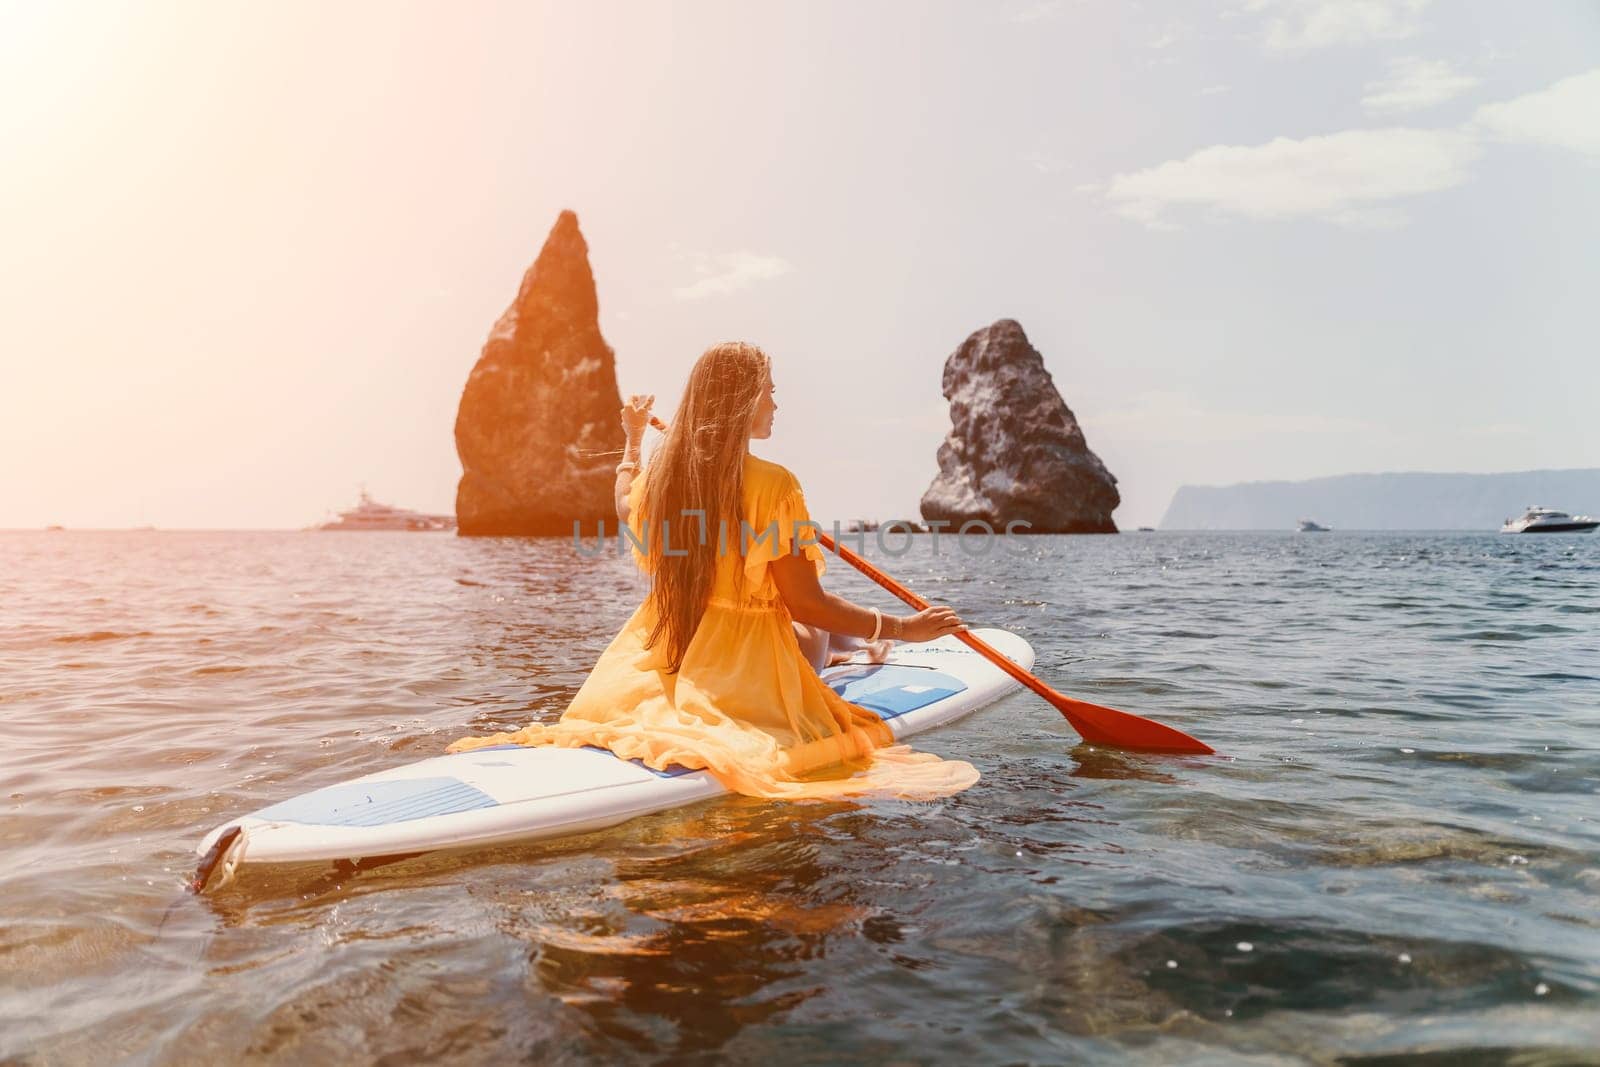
{"points": [[877, 624]]}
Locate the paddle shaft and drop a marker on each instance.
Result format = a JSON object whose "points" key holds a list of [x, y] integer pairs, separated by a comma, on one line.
{"points": [[992, 654]]}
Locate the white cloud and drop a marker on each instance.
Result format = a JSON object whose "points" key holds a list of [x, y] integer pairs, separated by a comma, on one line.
{"points": [[729, 272], [1414, 84], [1346, 178], [1047, 161], [1565, 115], [1300, 25], [1166, 40], [1213, 90], [1163, 415]]}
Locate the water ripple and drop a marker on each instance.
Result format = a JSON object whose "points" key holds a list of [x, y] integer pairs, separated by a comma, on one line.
{"points": [[1394, 856]]}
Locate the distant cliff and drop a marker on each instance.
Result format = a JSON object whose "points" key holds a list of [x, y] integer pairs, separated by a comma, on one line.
{"points": [[1396, 501]]}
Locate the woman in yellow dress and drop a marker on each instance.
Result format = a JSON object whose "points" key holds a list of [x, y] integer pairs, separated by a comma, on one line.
{"points": [[717, 668]]}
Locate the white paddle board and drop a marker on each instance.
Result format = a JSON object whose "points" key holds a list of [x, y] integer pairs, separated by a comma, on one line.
{"points": [[513, 793]]}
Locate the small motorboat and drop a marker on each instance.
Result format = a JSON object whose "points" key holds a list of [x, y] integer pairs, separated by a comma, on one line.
{"points": [[1311, 526], [1549, 520]]}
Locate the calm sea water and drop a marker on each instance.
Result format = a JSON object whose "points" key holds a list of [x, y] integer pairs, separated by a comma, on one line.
{"points": [[1398, 851]]}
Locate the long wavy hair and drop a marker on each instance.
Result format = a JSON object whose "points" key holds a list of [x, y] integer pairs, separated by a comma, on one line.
{"points": [[699, 466]]}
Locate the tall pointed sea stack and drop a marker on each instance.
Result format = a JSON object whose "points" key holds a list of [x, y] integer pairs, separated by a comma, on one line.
{"points": [[1014, 450], [537, 430]]}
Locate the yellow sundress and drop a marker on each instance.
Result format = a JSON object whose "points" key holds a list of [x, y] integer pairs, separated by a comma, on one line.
{"points": [[744, 704]]}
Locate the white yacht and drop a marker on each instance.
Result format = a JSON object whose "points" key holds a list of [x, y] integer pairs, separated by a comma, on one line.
{"points": [[1548, 520], [368, 514]]}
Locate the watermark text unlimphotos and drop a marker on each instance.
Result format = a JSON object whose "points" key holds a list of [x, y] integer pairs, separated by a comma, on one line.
{"points": [[974, 537]]}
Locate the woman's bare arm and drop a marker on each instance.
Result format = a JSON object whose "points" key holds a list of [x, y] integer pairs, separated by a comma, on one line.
{"points": [[635, 417], [620, 495], [796, 579]]}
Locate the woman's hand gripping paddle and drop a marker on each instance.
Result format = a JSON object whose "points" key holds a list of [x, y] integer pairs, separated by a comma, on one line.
{"points": [[1096, 724]]}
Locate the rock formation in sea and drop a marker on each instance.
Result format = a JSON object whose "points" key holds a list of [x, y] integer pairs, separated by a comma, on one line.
{"points": [[1015, 450], [537, 429]]}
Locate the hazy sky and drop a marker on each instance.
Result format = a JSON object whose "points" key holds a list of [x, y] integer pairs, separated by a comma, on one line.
{"points": [[249, 253]]}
